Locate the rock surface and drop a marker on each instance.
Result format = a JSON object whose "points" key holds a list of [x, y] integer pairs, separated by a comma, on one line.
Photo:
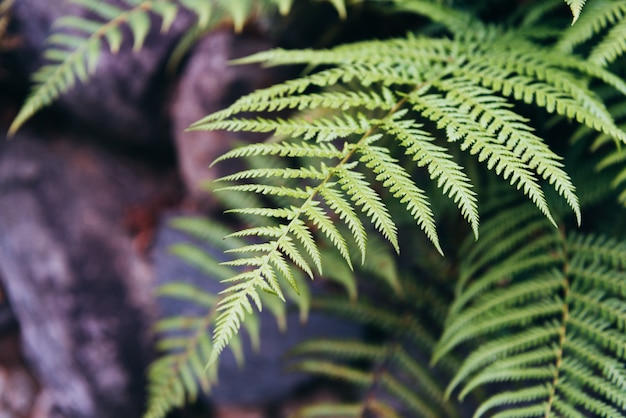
{"points": [[74, 279], [207, 84]]}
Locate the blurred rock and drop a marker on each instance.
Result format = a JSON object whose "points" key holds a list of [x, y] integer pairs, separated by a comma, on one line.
{"points": [[262, 381], [207, 84], [18, 388], [76, 283]]}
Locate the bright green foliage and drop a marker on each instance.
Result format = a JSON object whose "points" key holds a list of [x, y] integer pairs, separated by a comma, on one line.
{"points": [[464, 86], [598, 16], [544, 311], [392, 146], [577, 7]]}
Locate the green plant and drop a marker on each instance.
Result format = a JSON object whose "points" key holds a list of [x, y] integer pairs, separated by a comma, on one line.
{"points": [[525, 316]]}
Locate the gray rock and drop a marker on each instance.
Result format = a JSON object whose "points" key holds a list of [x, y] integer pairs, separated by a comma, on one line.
{"points": [[207, 84], [263, 379], [76, 282]]}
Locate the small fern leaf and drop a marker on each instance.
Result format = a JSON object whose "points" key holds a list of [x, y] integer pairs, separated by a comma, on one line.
{"points": [[284, 149], [337, 201], [577, 7], [233, 310], [392, 176], [319, 217], [355, 185], [321, 130], [441, 167]]}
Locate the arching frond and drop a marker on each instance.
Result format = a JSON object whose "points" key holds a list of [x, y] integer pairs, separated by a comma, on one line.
{"points": [[74, 48], [611, 46], [374, 94]]}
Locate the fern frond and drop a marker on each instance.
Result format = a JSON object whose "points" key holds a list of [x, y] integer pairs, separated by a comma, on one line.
{"points": [[175, 377], [354, 184], [598, 15], [185, 340], [74, 49], [460, 85], [539, 328], [392, 176], [441, 167], [459, 125], [321, 130], [611, 46], [267, 268]]}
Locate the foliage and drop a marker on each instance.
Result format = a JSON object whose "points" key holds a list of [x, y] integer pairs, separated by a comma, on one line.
{"points": [[75, 47], [526, 317]]}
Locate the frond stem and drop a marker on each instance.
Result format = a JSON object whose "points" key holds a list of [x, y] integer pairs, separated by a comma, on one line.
{"points": [[562, 329]]}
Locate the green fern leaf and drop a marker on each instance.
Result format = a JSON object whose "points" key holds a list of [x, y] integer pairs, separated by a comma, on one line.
{"points": [[541, 326], [611, 46], [577, 7], [451, 178], [460, 85], [399, 183], [74, 48], [178, 375], [77, 55], [460, 125], [361, 193], [337, 201]]}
